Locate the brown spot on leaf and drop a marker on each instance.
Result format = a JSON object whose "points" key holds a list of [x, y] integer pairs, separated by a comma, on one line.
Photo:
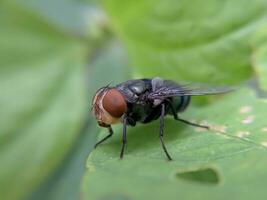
{"points": [[248, 120], [245, 109], [242, 133]]}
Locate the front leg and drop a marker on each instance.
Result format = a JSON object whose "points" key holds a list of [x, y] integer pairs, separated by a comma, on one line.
{"points": [[123, 136], [105, 138]]}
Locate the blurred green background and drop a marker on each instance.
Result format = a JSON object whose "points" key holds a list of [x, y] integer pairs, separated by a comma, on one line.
{"points": [[55, 54]]}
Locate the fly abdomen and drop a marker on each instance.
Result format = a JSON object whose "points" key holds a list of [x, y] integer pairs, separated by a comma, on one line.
{"points": [[181, 103]]}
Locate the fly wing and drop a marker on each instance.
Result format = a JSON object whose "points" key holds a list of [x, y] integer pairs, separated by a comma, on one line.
{"points": [[171, 89]]}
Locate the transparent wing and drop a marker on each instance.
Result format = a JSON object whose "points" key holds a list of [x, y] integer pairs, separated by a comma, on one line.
{"points": [[171, 89]]}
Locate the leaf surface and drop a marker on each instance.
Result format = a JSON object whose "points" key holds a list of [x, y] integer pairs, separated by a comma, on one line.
{"points": [[182, 40], [226, 162], [42, 98]]}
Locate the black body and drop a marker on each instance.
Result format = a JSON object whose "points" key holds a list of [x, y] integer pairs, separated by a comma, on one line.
{"points": [[141, 108], [151, 99]]}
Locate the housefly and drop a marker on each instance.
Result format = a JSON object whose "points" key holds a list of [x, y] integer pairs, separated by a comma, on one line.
{"points": [[145, 100]]}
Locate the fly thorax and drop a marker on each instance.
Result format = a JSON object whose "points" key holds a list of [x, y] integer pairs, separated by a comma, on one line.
{"points": [[157, 102], [156, 83]]}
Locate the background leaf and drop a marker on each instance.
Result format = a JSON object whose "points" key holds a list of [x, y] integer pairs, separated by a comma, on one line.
{"points": [[42, 98], [66, 181], [259, 58], [171, 38]]}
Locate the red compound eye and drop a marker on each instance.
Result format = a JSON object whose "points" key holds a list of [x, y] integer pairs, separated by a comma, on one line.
{"points": [[114, 103]]}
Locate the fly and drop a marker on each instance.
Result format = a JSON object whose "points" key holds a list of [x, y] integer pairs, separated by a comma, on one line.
{"points": [[145, 100]]}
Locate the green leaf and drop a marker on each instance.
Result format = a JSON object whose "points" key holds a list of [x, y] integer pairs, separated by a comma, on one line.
{"points": [[76, 18], [189, 41], [42, 98], [65, 182], [72, 17], [227, 162], [259, 58]]}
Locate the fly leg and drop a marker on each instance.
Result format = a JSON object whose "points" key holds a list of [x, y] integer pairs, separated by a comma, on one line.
{"points": [[105, 138], [191, 123], [162, 131], [183, 120], [123, 136]]}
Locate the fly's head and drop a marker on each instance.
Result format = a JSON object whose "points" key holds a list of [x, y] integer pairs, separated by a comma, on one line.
{"points": [[109, 105]]}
